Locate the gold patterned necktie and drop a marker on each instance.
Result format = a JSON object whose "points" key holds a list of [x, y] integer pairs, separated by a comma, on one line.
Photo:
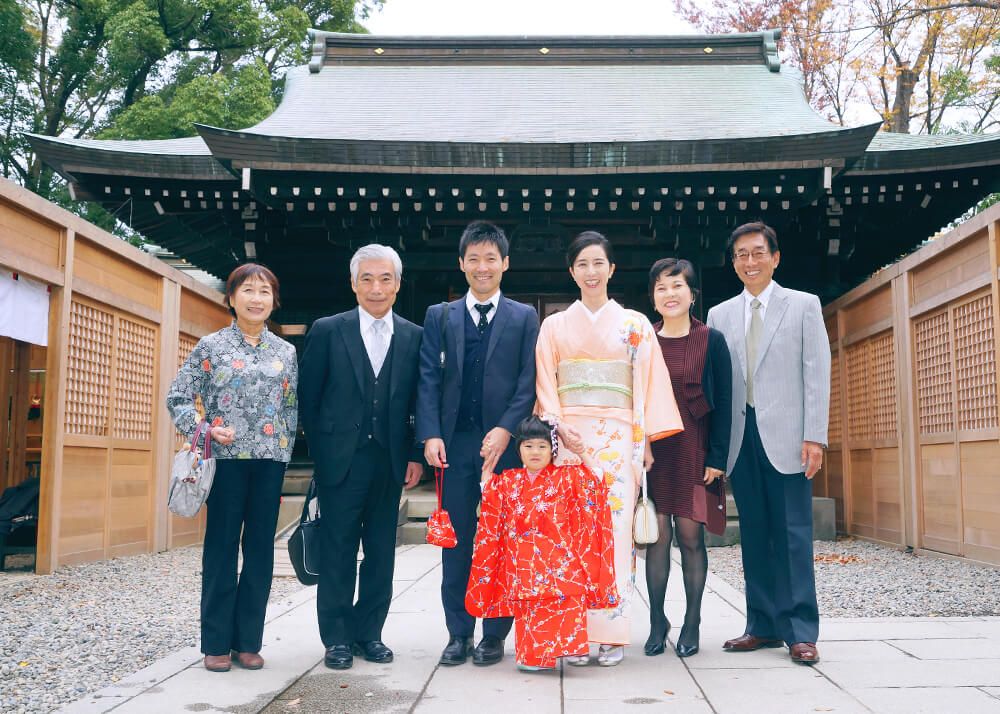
{"points": [[753, 339]]}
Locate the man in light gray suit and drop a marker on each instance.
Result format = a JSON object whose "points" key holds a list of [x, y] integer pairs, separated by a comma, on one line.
{"points": [[781, 396]]}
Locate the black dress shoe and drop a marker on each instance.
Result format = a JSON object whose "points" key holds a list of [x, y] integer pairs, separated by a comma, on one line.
{"points": [[488, 651], [338, 657], [457, 651], [656, 644], [373, 651], [687, 642]]}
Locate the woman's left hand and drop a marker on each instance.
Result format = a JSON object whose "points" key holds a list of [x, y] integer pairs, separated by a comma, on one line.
{"points": [[647, 456], [712, 474]]}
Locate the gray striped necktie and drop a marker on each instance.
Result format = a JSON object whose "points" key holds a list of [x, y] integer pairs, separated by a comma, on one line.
{"points": [[753, 340], [380, 345]]}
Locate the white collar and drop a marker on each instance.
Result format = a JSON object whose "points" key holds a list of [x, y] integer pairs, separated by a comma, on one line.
{"points": [[764, 297], [471, 301], [366, 319], [594, 316]]}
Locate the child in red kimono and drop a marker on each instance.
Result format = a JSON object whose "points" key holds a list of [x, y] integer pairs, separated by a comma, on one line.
{"points": [[544, 550]]}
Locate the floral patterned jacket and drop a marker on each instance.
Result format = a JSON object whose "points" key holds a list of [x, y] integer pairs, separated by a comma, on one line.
{"points": [[251, 389]]}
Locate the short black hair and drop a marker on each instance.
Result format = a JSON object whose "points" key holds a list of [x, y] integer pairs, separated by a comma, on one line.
{"points": [[483, 232], [671, 267], [248, 271], [754, 227], [532, 428], [585, 240]]}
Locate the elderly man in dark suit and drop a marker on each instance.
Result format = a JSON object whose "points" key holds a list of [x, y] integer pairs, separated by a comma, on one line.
{"points": [[358, 382], [781, 398], [474, 390]]}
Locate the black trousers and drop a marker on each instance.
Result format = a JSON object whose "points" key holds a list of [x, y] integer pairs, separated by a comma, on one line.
{"points": [[245, 497], [361, 509], [460, 498], [776, 537]]}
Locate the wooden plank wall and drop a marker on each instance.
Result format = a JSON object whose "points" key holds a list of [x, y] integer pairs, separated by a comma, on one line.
{"points": [[120, 323], [914, 435]]}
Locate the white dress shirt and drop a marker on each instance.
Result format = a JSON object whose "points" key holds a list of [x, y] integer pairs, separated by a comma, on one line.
{"points": [[764, 297], [471, 302], [368, 334]]}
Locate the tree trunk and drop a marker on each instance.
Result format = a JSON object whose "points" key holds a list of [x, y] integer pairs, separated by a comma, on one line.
{"points": [[906, 80]]}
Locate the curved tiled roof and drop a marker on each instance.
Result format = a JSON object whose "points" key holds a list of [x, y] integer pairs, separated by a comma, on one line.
{"points": [[533, 104]]}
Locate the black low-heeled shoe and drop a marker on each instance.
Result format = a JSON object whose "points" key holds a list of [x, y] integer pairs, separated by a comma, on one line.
{"points": [[684, 647], [656, 644]]}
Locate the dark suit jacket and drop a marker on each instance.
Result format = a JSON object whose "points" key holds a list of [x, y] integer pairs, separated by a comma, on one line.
{"points": [[508, 379], [332, 393]]}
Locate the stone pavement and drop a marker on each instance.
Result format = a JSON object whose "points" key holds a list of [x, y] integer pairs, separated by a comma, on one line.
{"points": [[868, 665]]}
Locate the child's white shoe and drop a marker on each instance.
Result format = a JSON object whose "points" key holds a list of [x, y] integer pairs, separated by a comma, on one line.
{"points": [[610, 655], [577, 660]]}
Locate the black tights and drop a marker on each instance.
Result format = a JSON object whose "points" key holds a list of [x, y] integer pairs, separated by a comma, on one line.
{"points": [[694, 565]]}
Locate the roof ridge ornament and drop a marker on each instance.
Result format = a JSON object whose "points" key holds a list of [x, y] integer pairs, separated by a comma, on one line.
{"points": [[771, 59], [318, 40]]}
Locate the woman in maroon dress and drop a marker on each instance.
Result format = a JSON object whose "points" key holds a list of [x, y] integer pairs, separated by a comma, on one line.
{"points": [[686, 483]]}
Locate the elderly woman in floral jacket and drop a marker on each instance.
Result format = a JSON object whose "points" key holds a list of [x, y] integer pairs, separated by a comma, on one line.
{"points": [[242, 381]]}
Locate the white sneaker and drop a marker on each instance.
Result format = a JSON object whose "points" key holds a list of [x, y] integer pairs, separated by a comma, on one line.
{"points": [[577, 660], [610, 655]]}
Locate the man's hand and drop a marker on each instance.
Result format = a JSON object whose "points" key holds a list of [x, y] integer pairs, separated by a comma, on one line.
{"points": [[712, 474], [434, 453], [812, 458], [414, 471], [570, 437], [494, 444]]}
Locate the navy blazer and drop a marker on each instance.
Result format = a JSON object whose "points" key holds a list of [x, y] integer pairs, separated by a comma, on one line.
{"points": [[508, 378], [332, 393]]}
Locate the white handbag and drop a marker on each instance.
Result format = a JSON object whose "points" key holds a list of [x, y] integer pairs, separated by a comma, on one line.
{"points": [[192, 474], [644, 526]]}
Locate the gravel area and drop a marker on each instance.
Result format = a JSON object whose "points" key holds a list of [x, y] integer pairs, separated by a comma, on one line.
{"points": [[89, 625], [855, 578]]}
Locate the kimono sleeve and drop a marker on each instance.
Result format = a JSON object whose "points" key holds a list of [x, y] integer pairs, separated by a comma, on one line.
{"points": [[546, 364], [593, 538], [661, 417], [485, 595]]}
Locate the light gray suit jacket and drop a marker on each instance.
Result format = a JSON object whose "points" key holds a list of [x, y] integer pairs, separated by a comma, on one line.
{"points": [[791, 380]]}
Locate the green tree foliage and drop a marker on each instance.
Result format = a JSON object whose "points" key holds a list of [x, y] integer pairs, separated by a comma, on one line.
{"points": [[144, 69]]}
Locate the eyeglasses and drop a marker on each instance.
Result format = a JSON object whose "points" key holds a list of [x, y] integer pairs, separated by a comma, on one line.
{"points": [[744, 255]]}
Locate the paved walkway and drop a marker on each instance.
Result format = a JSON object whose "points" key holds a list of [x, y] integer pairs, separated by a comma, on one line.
{"points": [[868, 665]]}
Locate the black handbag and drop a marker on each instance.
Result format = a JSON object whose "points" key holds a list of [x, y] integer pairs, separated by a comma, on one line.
{"points": [[304, 544]]}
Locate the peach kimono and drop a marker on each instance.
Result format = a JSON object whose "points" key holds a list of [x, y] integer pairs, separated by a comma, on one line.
{"points": [[603, 374]]}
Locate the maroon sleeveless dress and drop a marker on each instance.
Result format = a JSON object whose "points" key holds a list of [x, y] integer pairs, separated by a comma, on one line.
{"points": [[676, 481]]}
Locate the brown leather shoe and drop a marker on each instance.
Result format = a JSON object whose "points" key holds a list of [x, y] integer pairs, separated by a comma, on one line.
{"points": [[248, 660], [217, 663], [749, 643], [804, 653]]}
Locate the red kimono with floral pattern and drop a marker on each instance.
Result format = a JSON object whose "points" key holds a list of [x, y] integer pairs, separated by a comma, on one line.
{"points": [[544, 554]]}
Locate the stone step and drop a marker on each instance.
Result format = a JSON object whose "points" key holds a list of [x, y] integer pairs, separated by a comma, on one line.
{"points": [[411, 533], [297, 477]]}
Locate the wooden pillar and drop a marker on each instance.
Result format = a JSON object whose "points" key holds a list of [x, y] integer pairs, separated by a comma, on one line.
{"points": [[845, 434], [907, 424], [163, 427], [16, 469], [6, 355], [56, 368]]}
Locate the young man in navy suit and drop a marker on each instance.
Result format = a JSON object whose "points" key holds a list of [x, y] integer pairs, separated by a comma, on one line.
{"points": [[468, 404]]}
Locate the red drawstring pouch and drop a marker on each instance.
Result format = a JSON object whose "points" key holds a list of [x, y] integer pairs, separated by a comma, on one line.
{"points": [[440, 531]]}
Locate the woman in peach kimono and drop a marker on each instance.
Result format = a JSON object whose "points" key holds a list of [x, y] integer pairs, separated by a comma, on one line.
{"points": [[599, 372]]}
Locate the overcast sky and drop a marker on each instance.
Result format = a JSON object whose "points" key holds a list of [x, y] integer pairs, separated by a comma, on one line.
{"points": [[527, 17]]}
